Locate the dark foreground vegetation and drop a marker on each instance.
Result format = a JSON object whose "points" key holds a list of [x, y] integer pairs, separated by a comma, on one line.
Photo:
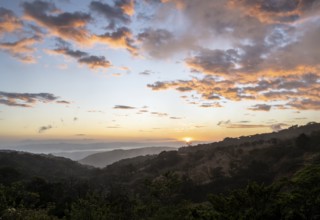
{"points": [[273, 176]]}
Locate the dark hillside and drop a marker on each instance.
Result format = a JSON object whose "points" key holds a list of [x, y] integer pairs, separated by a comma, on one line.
{"points": [[27, 165], [219, 167], [274, 177]]}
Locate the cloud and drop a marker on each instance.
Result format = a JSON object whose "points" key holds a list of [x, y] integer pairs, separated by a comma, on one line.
{"points": [[200, 126], [63, 102], [116, 74], [268, 52], [114, 14], [92, 61], [211, 105], [114, 127], [44, 128], [291, 89], [184, 89], [26, 99], [305, 104], [67, 25], [9, 22], [280, 11], [22, 49], [244, 121], [127, 6], [161, 85], [274, 127], [216, 62], [146, 72], [120, 38], [229, 124], [95, 111], [73, 26], [161, 43], [23, 36], [159, 114], [260, 107], [125, 107], [175, 118], [13, 103], [142, 111]]}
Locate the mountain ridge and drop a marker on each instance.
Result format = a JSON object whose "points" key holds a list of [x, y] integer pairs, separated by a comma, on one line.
{"points": [[103, 159]]}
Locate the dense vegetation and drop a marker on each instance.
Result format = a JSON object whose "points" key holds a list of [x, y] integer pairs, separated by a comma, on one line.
{"points": [[276, 178]]}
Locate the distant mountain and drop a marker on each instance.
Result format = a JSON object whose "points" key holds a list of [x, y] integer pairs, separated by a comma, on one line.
{"points": [[77, 151], [105, 158]]}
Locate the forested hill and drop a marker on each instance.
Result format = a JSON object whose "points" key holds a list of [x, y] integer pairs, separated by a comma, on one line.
{"points": [[266, 176], [262, 157], [15, 165]]}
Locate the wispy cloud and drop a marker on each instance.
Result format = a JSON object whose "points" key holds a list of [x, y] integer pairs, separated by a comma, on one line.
{"points": [[27, 99], [82, 57], [9, 22], [211, 105], [229, 124], [260, 107], [22, 49], [273, 127], [175, 118], [114, 127], [95, 111], [159, 114], [125, 107], [146, 72], [63, 102], [44, 128]]}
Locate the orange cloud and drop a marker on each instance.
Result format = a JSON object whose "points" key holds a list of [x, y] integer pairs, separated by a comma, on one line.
{"points": [[284, 11], [294, 91], [121, 38], [70, 26], [8, 21], [128, 8], [92, 61], [22, 49], [179, 3]]}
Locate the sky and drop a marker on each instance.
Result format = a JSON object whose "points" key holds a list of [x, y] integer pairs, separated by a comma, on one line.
{"points": [[157, 70]]}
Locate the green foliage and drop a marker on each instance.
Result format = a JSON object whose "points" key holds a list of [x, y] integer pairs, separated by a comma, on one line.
{"points": [[92, 207], [26, 214]]}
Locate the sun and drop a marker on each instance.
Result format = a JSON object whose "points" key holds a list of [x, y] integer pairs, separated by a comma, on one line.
{"points": [[187, 140]]}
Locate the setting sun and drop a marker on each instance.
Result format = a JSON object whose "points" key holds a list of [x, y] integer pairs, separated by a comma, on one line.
{"points": [[187, 139]]}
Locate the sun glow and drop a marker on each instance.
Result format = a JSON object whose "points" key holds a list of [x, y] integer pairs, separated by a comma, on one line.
{"points": [[187, 139]]}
